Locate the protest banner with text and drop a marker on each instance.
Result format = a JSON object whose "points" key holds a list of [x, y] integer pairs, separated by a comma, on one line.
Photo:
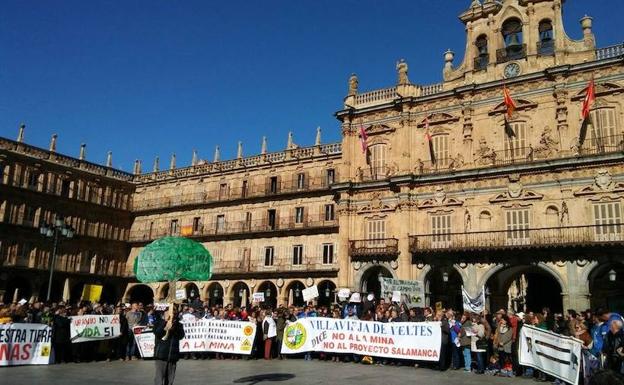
{"points": [[25, 344], [145, 341], [94, 327], [407, 340], [554, 354], [412, 292], [221, 336]]}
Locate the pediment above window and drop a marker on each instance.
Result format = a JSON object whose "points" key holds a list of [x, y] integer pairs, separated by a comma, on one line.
{"points": [[377, 129], [602, 89], [438, 118], [521, 105], [603, 183], [440, 199], [522, 196]]}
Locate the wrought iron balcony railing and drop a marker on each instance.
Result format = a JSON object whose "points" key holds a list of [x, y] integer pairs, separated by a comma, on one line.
{"points": [[610, 52], [232, 193], [234, 227], [518, 239], [546, 48], [280, 264], [382, 249], [514, 52], [481, 62]]}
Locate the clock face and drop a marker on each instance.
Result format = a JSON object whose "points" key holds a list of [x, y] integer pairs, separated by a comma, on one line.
{"points": [[512, 70]]}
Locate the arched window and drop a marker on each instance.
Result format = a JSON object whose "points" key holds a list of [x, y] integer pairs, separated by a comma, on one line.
{"points": [[546, 44], [483, 56], [512, 36]]}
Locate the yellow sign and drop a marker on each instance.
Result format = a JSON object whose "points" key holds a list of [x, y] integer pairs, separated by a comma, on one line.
{"points": [[186, 231], [91, 293]]}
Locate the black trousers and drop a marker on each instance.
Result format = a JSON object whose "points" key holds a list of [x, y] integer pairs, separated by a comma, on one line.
{"points": [[165, 372]]}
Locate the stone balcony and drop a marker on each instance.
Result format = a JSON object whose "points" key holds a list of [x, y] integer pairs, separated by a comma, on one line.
{"points": [[242, 229], [486, 246], [254, 268], [366, 250]]}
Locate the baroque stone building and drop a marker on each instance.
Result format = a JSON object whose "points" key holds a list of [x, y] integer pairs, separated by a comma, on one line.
{"points": [[534, 218]]}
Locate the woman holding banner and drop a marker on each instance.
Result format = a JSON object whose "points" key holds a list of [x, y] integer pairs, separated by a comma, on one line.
{"points": [[167, 333]]}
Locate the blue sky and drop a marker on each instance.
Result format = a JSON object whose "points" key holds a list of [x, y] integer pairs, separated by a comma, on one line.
{"points": [[149, 78]]}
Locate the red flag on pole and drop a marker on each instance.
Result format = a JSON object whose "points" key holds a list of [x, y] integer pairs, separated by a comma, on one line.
{"points": [[511, 107], [590, 98], [363, 139], [429, 141]]}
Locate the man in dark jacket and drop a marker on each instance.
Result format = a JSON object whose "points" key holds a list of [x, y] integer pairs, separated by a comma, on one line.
{"points": [[61, 336], [167, 333], [613, 347]]}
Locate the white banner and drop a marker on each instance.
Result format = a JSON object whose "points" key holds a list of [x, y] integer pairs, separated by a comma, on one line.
{"points": [[94, 327], [473, 305], [258, 297], [25, 344], [554, 354], [206, 335], [145, 341], [310, 293], [408, 340], [412, 292]]}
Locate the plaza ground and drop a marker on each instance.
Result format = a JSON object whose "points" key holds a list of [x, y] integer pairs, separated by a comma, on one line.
{"points": [[191, 372]]}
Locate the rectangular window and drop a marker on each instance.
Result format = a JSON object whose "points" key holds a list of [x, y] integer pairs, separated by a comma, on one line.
{"points": [[330, 176], [271, 217], [603, 133], [298, 214], [298, 255], [607, 218], [151, 230], [196, 224], [378, 161], [29, 216], [441, 150], [301, 181], [441, 230], [269, 256], [223, 190], [174, 227], [376, 232], [517, 222], [33, 179], [244, 189], [65, 188], [328, 253], [220, 223], [273, 185], [329, 213], [248, 221], [516, 147]]}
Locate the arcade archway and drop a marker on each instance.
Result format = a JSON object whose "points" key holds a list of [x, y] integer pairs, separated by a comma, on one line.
{"points": [[270, 294], [141, 293], [327, 290], [606, 285], [192, 291], [214, 294], [295, 293], [240, 294], [443, 286], [524, 288], [18, 287], [370, 282]]}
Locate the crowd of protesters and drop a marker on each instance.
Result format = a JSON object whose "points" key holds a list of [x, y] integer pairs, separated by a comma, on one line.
{"points": [[474, 343]]}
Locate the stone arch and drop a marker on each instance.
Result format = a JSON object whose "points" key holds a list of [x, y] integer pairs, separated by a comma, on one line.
{"points": [[140, 293], [192, 290], [357, 278], [163, 291], [438, 290], [239, 293], [550, 293], [606, 285], [368, 282], [294, 292], [546, 267], [271, 293], [215, 293], [323, 287]]}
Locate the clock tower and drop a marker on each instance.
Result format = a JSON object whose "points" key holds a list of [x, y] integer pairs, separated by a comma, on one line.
{"points": [[509, 38]]}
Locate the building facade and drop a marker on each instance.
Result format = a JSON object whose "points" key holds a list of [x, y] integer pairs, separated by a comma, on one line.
{"points": [[426, 185]]}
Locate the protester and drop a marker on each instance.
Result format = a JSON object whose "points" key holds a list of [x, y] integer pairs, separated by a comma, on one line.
{"points": [[168, 333]]}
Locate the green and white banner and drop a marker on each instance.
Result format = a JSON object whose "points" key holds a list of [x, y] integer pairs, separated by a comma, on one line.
{"points": [[407, 340], [94, 327]]}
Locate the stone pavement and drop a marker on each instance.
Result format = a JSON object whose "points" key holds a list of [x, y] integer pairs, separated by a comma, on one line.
{"points": [[191, 372]]}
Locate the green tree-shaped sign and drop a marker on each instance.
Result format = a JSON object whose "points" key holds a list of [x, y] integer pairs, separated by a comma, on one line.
{"points": [[171, 259]]}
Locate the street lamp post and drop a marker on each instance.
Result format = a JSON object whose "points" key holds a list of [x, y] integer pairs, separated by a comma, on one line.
{"points": [[53, 230]]}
